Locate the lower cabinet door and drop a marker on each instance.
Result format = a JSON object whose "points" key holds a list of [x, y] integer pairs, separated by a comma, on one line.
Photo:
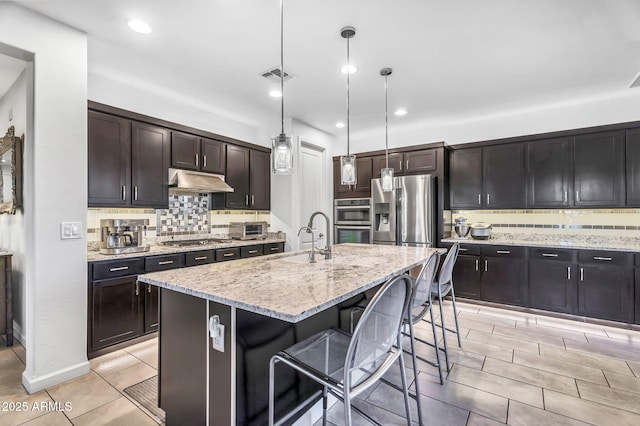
{"points": [[606, 292], [151, 295], [503, 280], [115, 311], [637, 293], [553, 286], [466, 277]]}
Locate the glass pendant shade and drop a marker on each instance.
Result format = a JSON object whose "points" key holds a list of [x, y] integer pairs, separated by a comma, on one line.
{"points": [[348, 168], [281, 154], [387, 179]]}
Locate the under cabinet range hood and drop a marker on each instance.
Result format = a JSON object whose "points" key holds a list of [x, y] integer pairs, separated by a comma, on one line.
{"points": [[196, 182]]}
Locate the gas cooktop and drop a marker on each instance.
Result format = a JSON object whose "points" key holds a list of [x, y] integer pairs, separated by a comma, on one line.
{"points": [[199, 242]]}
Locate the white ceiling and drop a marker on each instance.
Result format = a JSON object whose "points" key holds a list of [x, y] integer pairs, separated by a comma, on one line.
{"points": [[10, 70], [457, 58]]}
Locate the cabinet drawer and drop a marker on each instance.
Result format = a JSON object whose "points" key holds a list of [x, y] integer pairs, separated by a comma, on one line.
{"points": [[552, 254], [272, 248], [605, 257], [469, 250], [161, 263], [251, 251], [227, 254], [200, 257], [504, 251], [117, 268]]}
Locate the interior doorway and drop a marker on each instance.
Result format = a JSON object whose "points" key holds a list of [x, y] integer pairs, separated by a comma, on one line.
{"points": [[312, 190]]}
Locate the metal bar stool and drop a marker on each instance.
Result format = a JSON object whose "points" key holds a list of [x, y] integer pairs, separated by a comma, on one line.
{"points": [[442, 286], [347, 364]]}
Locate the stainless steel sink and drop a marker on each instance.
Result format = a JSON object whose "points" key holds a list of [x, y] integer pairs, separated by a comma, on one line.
{"points": [[301, 258]]}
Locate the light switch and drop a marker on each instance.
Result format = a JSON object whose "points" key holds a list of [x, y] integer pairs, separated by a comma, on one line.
{"points": [[70, 230]]}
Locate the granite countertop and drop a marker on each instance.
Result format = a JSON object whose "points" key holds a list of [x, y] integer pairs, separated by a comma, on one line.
{"points": [[157, 249], [626, 244], [286, 286]]}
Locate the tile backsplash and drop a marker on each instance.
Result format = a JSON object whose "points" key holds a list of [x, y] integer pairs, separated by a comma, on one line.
{"points": [[187, 213], [579, 222]]}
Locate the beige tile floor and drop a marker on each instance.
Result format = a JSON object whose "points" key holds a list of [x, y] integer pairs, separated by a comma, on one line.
{"points": [[513, 368]]}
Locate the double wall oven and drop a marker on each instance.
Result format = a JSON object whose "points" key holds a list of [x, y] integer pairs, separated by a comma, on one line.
{"points": [[352, 220]]}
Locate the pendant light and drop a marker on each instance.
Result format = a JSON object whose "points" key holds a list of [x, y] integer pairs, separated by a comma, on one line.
{"points": [[386, 174], [348, 162], [281, 152]]}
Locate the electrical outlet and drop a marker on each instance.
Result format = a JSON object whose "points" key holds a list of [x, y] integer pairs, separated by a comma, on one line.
{"points": [[70, 230]]}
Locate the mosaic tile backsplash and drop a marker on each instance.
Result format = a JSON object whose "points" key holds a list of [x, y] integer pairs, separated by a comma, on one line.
{"points": [[187, 213]]}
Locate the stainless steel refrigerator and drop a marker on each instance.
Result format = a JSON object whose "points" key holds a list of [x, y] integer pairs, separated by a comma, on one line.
{"points": [[406, 215]]}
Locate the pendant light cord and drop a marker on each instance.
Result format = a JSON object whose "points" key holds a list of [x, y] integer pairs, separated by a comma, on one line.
{"points": [[282, 63], [348, 72], [386, 122]]}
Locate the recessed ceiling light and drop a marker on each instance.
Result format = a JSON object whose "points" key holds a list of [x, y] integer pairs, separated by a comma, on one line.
{"points": [[275, 93], [339, 124], [401, 112], [350, 69], [139, 26]]}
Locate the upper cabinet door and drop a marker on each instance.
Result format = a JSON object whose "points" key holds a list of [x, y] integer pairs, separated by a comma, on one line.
{"points": [[465, 178], [633, 169], [503, 170], [424, 161], [395, 163], [237, 176], [260, 180], [599, 169], [364, 170], [185, 151], [549, 173], [214, 156], [109, 162], [150, 150]]}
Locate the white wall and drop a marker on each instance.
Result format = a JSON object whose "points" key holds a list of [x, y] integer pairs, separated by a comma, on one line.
{"points": [[12, 227], [284, 189], [619, 107], [55, 190]]}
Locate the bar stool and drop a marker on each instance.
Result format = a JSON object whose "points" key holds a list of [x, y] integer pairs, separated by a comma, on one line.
{"points": [[441, 287], [347, 364]]}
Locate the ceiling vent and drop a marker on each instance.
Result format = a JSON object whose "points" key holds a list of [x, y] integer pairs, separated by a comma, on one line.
{"points": [[273, 75]]}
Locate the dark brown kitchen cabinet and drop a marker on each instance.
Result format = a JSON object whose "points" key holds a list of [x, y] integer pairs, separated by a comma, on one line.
{"points": [[420, 162], [127, 162], [115, 311], [637, 317], [466, 273], [248, 173], [192, 152], [364, 174], [504, 275], [272, 248], [251, 251], [151, 308], [395, 162], [465, 178], [549, 173], [200, 257], [231, 253], [605, 285], [598, 161], [553, 283], [164, 262], [633, 167], [503, 176]]}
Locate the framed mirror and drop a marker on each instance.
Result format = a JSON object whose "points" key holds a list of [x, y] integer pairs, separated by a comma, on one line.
{"points": [[11, 168]]}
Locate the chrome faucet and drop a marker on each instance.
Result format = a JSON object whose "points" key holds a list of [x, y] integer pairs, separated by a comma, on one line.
{"points": [[327, 250], [312, 255]]}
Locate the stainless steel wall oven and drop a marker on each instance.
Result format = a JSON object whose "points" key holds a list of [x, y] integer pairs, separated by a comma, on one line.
{"points": [[352, 220]]}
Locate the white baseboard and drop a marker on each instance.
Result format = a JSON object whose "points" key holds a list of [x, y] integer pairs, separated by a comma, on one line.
{"points": [[35, 384]]}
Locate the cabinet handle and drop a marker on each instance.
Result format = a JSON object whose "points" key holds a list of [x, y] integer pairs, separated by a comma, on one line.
{"points": [[197, 160], [253, 200], [486, 265], [200, 258], [461, 249], [228, 254], [148, 288], [124, 192], [549, 254], [204, 161], [477, 266], [274, 248], [135, 193], [488, 199], [407, 164], [137, 288], [577, 195], [581, 274], [165, 262], [566, 196], [246, 199], [479, 199], [602, 258], [568, 272], [503, 251], [400, 165], [119, 268], [253, 251]]}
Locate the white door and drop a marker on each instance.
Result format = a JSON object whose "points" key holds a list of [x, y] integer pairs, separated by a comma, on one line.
{"points": [[311, 193]]}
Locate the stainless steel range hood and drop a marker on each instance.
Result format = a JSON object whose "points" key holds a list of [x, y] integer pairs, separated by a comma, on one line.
{"points": [[188, 181]]}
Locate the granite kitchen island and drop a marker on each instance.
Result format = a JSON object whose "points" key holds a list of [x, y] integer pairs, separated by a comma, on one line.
{"points": [[265, 304]]}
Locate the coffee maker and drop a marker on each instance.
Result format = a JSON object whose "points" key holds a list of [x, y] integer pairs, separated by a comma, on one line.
{"points": [[119, 236]]}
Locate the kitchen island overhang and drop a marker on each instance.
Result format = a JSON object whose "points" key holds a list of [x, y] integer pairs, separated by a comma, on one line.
{"points": [[266, 304]]}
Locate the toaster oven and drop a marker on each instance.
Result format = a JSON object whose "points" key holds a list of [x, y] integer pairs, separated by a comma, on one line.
{"points": [[248, 230]]}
